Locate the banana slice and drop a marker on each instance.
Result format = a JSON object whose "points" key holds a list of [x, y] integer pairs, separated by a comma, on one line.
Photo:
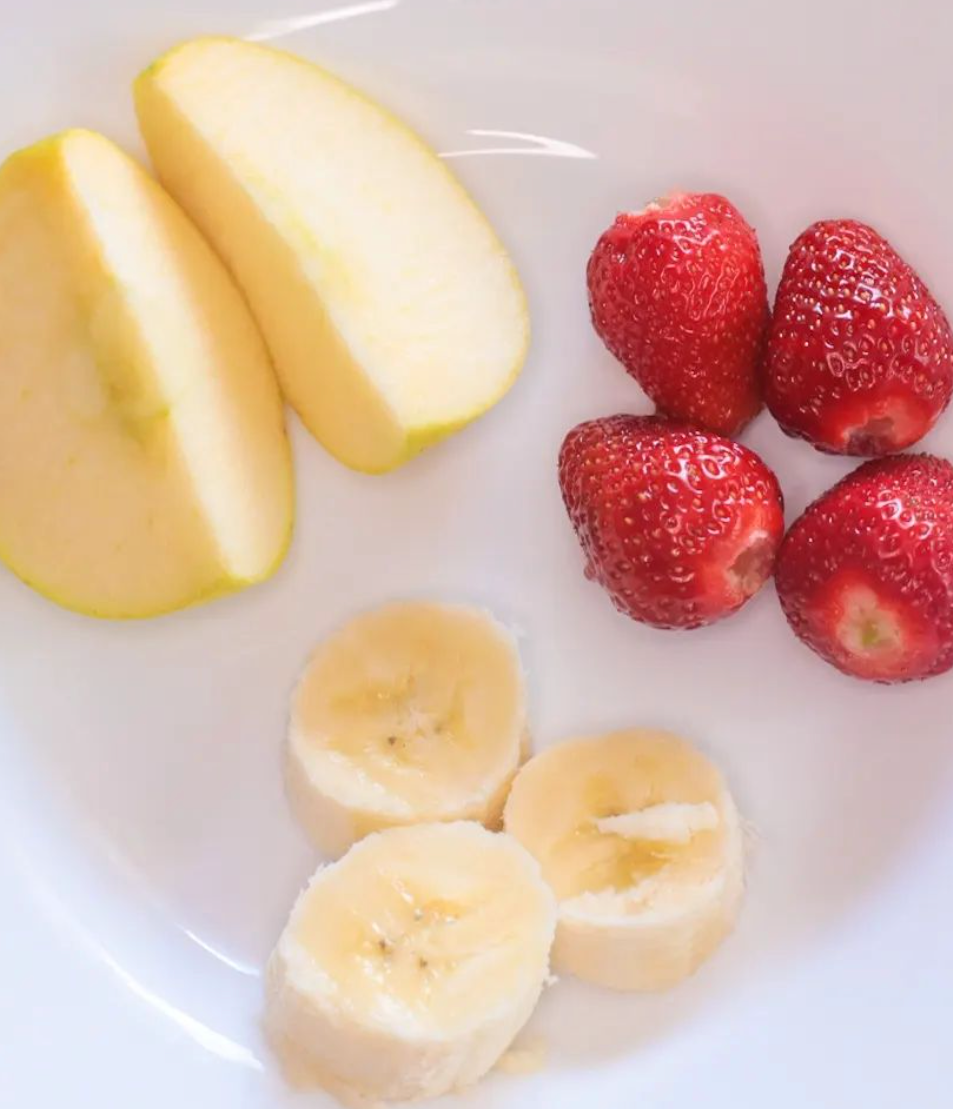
{"points": [[639, 837], [408, 966], [413, 712]]}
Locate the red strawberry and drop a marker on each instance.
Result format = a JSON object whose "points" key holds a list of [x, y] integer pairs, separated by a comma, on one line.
{"points": [[680, 526], [865, 576], [860, 355], [677, 294]]}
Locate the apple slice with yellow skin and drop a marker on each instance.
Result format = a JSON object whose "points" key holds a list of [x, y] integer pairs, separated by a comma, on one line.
{"points": [[392, 311], [143, 459]]}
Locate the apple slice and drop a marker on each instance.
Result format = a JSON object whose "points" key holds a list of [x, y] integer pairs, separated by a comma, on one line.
{"points": [[143, 459], [393, 313]]}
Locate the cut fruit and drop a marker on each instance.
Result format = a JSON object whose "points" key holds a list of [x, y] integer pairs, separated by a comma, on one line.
{"points": [[644, 850], [143, 461], [867, 626], [859, 355], [408, 967], [865, 575], [679, 526], [669, 822], [392, 311], [413, 712]]}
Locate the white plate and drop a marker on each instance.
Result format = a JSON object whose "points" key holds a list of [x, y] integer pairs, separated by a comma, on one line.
{"points": [[147, 858]]}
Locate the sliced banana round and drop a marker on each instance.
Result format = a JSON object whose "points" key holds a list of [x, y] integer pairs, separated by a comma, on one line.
{"points": [[408, 967], [639, 837], [412, 712]]}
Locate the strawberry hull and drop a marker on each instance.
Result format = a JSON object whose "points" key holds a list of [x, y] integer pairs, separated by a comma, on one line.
{"points": [[865, 575]]}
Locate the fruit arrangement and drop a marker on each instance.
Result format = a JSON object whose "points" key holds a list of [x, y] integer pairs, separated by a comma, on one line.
{"points": [[145, 332], [148, 333], [465, 865], [146, 465], [681, 526]]}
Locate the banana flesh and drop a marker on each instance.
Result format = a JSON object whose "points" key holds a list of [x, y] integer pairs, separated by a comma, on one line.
{"points": [[638, 835], [408, 967], [414, 712]]}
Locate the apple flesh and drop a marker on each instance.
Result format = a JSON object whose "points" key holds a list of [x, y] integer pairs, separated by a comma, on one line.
{"points": [[393, 314], [143, 460]]}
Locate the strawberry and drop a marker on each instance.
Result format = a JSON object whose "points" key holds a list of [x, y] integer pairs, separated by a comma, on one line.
{"points": [[865, 576], [679, 526], [677, 294], [860, 355]]}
